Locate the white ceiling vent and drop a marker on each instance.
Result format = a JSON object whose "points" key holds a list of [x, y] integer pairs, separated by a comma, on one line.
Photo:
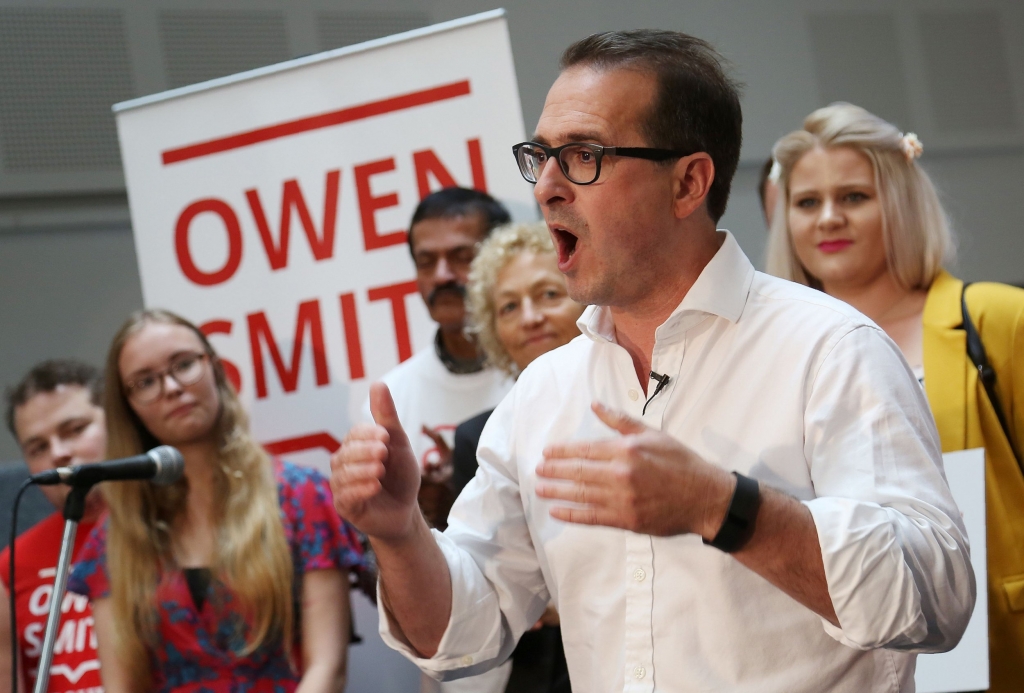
{"points": [[339, 29], [200, 45], [60, 72]]}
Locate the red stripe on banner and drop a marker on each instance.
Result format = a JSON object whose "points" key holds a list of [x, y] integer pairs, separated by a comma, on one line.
{"points": [[323, 120], [313, 441]]}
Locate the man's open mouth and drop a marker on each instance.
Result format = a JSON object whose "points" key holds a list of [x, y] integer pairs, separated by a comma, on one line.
{"points": [[565, 243]]}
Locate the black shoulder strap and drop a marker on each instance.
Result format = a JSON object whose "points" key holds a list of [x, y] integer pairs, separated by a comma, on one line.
{"points": [[987, 374]]}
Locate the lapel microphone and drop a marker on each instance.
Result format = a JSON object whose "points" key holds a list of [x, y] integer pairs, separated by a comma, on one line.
{"points": [[662, 381]]}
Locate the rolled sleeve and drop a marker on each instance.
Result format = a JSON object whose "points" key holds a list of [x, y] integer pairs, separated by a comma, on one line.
{"points": [[498, 589], [472, 642], [893, 544]]}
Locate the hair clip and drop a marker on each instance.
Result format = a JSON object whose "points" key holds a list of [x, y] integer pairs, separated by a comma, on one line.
{"points": [[231, 473], [911, 146], [776, 171]]}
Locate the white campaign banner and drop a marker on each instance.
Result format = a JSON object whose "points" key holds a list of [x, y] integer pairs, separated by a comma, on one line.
{"points": [[270, 208]]}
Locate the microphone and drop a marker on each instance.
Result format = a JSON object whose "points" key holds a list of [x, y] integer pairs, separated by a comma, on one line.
{"points": [[161, 465], [662, 381]]}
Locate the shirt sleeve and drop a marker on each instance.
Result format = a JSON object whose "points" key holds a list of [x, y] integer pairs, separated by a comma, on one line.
{"points": [[89, 573], [893, 543], [497, 594], [320, 539]]}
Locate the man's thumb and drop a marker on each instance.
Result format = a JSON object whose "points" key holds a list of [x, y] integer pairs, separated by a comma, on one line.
{"points": [[618, 420], [382, 407]]}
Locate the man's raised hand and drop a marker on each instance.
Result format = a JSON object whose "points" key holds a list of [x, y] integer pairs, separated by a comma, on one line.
{"points": [[644, 480], [374, 474]]}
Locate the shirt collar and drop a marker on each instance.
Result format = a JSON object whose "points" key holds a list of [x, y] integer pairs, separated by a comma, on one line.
{"points": [[454, 365], [721, 289]]}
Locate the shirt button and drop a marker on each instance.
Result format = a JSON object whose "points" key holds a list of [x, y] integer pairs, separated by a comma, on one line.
{"points": [[634, 395], [639, 672], [639, 574], [467, 660]]}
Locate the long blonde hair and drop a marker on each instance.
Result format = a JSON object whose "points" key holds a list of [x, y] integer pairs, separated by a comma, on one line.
{"points": [[253, 558], [915, 229]]}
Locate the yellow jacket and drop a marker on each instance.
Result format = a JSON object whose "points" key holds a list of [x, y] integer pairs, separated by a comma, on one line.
{"points": [[965, 420]]}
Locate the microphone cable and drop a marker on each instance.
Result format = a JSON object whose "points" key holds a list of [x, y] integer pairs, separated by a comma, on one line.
{"points": [[662, 381], [13, 585]]}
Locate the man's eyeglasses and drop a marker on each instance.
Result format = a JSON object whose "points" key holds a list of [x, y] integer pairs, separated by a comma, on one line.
{"points": [[580, 161], [186, 369]]}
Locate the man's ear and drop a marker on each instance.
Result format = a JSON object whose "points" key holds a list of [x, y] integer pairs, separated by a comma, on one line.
{"points": [[692, 181]]}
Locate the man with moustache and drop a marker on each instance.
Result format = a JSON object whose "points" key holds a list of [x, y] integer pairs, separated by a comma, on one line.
{"points": [[55, 415], [729, 482], [447, 382]]}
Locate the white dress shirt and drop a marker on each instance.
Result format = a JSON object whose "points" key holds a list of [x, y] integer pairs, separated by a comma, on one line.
{"points": [[778, 382]]}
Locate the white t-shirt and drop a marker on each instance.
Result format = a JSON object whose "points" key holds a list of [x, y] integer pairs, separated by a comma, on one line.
{"points": [[778, 382], [427, 393]]}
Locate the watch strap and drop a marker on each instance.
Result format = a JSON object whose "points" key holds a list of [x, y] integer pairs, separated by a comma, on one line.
{"points": [[738, 526]]}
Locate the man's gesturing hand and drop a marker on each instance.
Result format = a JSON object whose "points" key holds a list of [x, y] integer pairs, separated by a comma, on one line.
{"points": [[645, 481], [374, 474]]}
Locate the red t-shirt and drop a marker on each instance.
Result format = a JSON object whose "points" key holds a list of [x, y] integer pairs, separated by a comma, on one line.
{"points": [[76, 667]]}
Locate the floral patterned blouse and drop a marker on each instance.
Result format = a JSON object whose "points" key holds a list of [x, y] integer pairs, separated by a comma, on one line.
{"points": [[199, 650]]}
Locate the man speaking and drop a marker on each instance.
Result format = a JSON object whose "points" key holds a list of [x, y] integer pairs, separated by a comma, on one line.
{"points": [[728, 482]]}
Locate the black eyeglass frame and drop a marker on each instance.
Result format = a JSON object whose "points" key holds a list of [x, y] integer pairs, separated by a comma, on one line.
{"points": [[599, 151], [131, 390]]}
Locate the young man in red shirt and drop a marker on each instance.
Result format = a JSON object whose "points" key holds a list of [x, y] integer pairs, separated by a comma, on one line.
{"points": [[55, 415]]}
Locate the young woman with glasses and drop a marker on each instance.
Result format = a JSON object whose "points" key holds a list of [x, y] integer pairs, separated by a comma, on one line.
{"points": [[238, 572]]}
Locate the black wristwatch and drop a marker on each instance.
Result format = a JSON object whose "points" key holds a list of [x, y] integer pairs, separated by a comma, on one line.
{"points": [[738, 526]]}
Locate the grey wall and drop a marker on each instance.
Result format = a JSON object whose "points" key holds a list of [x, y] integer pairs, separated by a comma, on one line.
{"points": [[65, 293], [950, 70]]}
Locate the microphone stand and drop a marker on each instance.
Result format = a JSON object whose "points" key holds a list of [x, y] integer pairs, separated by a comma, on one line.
{"points": [[74, 509]]}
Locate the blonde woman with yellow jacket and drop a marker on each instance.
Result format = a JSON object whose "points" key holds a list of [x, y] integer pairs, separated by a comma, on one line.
{"points": [[860, 220]]}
